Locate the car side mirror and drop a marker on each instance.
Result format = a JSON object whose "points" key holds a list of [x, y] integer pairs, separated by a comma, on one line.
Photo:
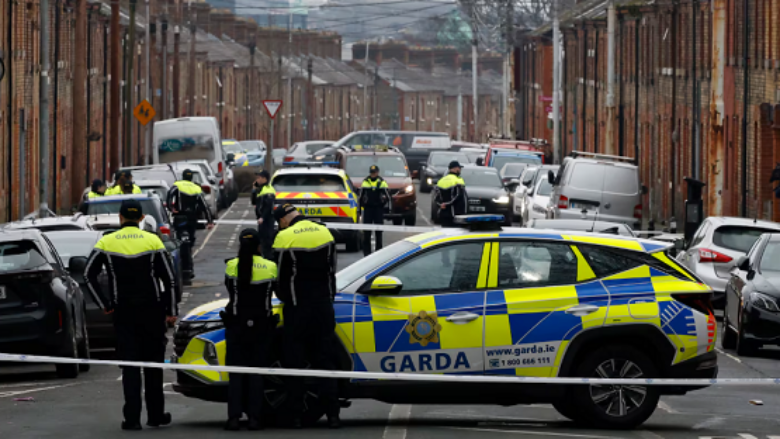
{"points": [[76, 267], [386, 285], [743, 263], [480, 161], [551, 177]]}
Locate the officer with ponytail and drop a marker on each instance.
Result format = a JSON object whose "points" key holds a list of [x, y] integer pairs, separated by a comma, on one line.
{"points": [[249, 322]]}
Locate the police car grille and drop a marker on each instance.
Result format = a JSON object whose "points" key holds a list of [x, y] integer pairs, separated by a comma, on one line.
{"points": [[185, 332]]}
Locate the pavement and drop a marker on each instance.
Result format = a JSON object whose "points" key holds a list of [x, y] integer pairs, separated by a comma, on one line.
{"points": [[34, 403]]}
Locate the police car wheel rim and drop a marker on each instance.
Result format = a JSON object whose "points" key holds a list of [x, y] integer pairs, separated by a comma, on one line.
{"points": [[618, 400]]}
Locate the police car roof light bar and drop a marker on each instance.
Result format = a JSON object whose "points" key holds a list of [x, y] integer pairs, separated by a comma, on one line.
{"points": [[480, 222]]}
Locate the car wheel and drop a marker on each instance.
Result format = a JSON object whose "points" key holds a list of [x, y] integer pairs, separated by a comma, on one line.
{"points": [[410, 220], [729, 338], [744, 347], [398, 221], [70, 370], [615, 407]]}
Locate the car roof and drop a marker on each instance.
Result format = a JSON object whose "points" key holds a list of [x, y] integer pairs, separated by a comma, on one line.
{"points": [[95, 233], [33, 223], [7, 235], [307, 142], [370, 152], [438, 133], [121, 197], [737, 221], [600, 161]]}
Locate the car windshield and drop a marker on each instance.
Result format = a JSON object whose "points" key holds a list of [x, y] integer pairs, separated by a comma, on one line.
{"points": [[473, 156], [308, 183], [770, 260], [20, 255], [232, 146], [164, 174], [501, 160], [362, 267], [739, 238], [481, 177], [149, 206], [389, 166], [72, 245], [513, 169], [444, 159], [252, 145], [311, 148], [545, 188]]}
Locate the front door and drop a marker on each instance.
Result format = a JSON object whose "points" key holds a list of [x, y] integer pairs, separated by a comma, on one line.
{"points": [[435, 324]]}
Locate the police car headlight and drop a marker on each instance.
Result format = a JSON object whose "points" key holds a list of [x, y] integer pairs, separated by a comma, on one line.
{"points": [[501, 200], [210, 354], [409, 189]]}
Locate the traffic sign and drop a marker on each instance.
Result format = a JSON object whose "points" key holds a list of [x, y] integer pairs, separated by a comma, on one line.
{"points": [[272, 107], [144, 112]]}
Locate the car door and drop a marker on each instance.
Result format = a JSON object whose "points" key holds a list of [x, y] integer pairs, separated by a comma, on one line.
{"points": [[541, 294], [435, 323], [736, 284]]}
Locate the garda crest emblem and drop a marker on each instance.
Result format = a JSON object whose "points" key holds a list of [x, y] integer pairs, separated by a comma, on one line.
{"points": [[423, 328]]}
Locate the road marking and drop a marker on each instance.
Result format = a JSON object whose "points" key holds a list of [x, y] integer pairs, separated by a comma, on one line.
{"points": [[665, 407], [396, 421], [746, 436], [24, 392], [532, 432], [647, 434], [721, 351], [211, 232], [424, 218], [708, 423]]}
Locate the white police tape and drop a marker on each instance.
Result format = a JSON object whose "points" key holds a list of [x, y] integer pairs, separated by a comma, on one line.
{"points": [[487, 379], [380, 227]]}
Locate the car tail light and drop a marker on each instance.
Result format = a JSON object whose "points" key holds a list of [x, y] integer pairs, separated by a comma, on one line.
{"points": [[165, 230], [638, 211], [219, 167], [707, 255], [288, 158], [563, 202], [206, 189]]}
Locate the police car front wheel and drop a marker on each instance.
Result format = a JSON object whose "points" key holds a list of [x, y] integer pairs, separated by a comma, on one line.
{"points": [[615, 406]]}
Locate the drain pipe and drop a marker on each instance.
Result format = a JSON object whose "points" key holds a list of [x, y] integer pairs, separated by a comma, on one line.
{"points": [[745, 94]]}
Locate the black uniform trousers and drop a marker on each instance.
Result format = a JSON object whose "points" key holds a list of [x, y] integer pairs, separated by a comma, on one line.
{"points": [[372, 215], [140, 336], [246, 346], [188, 224], [266, 231], [308, 331]]}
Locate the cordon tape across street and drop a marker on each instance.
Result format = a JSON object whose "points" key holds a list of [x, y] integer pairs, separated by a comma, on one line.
{"points": [[399, 376]]}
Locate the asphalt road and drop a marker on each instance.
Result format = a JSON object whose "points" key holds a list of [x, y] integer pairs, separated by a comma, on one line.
{"points": [[90, 406]]}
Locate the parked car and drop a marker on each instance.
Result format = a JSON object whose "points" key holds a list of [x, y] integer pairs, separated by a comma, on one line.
{"points": [[414, 145], [437, 166], [71, 245], [77, 222], [531, 203], [157, 188], [512, 171], [597, 186], [457, 145], [257, 158], [474, 154], [523, 147], [501, 158], [253, 146], [103, 212], [750, 318], [165, 172], [603, 227], [41, 306], [485, 193], [304, 151], [717, 245]]}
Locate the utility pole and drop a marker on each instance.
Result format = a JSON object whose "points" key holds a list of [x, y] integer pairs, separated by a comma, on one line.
{"points": [[164, 67], [289, 79], [460, 106], [556, 103], [310, 101], [129, 86], [148, 90], [609, 141], [365, 87], [176, 65], [250, 88], [115, 80], [44, 102], [475, 97], [191, 77]]}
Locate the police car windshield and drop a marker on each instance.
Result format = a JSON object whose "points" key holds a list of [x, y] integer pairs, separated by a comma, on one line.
{"points": [[231, 146], [364, 266], [500, 160], [480, 177], [308, 183], [444, 159], [252, 145], [149, 206], [389, 166]]}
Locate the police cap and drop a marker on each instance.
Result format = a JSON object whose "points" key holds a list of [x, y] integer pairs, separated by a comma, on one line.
{"points": [[454, 164], [373, 168], [263, 174], [131, 209], [249, 237], [187, 174], [283, 210]]}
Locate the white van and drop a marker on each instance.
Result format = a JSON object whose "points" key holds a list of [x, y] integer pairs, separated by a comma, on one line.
{"points": [[189, 138]]}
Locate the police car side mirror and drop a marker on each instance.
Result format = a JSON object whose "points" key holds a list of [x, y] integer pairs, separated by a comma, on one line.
{"points": [[386, 285]]}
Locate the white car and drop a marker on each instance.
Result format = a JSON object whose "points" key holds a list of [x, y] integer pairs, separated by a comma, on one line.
{"points": [[531, 203]]}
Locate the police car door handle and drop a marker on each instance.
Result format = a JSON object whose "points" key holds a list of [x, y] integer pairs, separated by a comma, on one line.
{"points": [[582, 310], [460, 318]]}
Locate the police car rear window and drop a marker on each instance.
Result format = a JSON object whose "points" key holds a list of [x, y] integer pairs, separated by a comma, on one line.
{"points": [[308, 183], [607, 261], [20, 255]]}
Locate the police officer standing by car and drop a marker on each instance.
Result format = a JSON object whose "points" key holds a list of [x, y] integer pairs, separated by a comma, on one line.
{"points": [[142, 300], [185, 200], [98, 189], [451, 195], [124, 184], [306, 257], [263, 197], [374, 196], [250, 280]]}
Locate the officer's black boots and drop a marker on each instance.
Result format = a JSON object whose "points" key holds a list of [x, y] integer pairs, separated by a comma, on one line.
{"points": [[255, 424], [297, 424], [131, 425], [334, 422], [232, 424], [164, 420]]}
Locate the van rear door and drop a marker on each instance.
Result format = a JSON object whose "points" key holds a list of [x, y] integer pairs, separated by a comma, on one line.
{"points": [[621, 198], [584, 188]]}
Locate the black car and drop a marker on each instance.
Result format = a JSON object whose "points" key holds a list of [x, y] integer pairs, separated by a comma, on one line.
{"points": [[437, 167], [41, 306], [72, 245], [486, 194], [752, 310]]}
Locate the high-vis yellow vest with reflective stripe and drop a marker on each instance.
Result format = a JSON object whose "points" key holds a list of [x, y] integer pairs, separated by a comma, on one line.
{"points": [[188, 187], [255, 301], [117, 190], [92, 195], [450, 180], [263, 270], [307, 255]]}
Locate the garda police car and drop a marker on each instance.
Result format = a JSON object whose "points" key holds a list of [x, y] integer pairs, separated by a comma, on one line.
{"points": [[322, 193], [518, 302]]}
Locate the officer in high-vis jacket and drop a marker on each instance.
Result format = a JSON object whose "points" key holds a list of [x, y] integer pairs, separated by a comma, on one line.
{"points": [[263, 197], [250, 280], [306, 261], [374, 197], [451, 196], [142, 300], [98, 189], [185, 201], [123, 184]]}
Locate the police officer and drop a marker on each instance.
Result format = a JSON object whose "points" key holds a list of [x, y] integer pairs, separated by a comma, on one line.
{"points": [[123, 184], [250, 280], [263, 197], [141, 299], [98, 189], [306, 257], [451, 195], [374, 197], [185, 200]]}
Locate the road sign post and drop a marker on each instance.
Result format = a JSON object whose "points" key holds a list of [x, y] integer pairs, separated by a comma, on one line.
{"points": [[272, 108]]}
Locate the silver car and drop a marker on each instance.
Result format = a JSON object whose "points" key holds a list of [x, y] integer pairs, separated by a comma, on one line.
{"points": [[716, 246], [597, 187]]}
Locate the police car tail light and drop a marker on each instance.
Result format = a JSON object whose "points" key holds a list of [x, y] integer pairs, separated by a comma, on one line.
{"points": [[210, 354], [707, 255], [206, 189], [563, 202]]}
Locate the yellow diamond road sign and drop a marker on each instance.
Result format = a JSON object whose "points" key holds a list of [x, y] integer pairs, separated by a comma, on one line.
{"points": [[144, 112]]}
